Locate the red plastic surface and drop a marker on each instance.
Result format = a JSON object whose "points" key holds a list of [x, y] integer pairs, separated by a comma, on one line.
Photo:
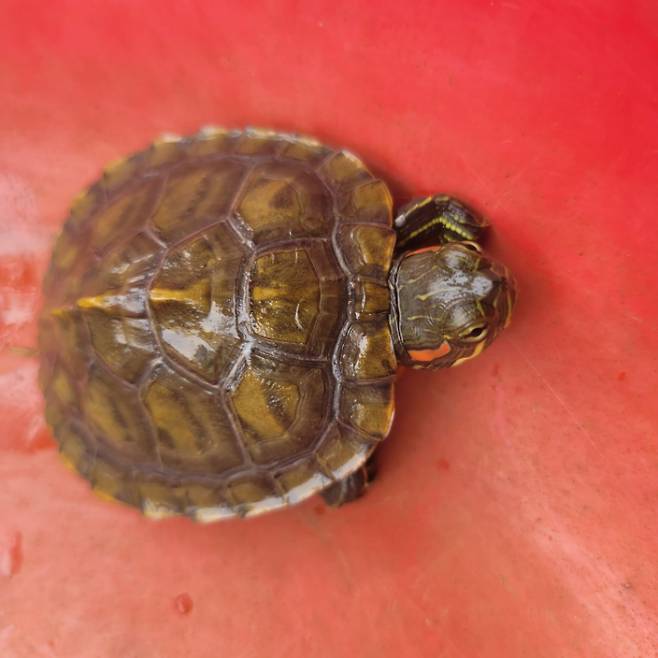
{"points": [[516, 512]]}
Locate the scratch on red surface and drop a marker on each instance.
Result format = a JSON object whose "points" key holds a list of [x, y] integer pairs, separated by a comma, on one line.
{"points": [[11, 554], [554, 393]]}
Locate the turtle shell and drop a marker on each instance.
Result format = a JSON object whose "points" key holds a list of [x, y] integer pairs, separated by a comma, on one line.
{"points": [[215, 340]]}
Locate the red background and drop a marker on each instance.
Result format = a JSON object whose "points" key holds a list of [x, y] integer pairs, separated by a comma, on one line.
{"points": [[516, 513]]}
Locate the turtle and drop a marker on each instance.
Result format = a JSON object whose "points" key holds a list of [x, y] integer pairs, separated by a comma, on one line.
{"points": [[225, 313]]}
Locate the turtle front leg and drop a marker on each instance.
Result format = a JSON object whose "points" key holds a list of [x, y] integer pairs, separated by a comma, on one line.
{"points": [[435, 220], [351, 487]]}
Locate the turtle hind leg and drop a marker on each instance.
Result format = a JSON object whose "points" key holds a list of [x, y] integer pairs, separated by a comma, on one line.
{"points": [[352, 487], [435, 220]]}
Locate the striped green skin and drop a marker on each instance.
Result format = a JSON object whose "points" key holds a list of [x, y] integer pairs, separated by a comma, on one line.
{"points": [[435, 220]]}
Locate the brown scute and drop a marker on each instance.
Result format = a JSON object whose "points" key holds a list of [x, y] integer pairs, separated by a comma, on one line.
{"points": [[283, 202], [344, 172], [195, 197], [193, 302], [371, 300], [301, 479], [304, 150], [112, 482], [193, 429], [77, 448], [119, 173], [63, 340], [129, 210], [126, 345], [369, 203], [166, 150], [368, 409], [340, 455], [280, 407], [214, 338], [209, 142], [284, 286], [257, 142], [253, 493], [367, 249], [66, 251], [85, 207], [114, 414], [296, 298], [367, 351], [126, 267]]}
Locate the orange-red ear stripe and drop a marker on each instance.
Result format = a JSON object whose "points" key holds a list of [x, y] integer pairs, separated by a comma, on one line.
{"points": [[430, 354]]}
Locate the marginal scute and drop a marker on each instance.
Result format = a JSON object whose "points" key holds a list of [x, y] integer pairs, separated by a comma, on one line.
{"points": [[63, 332], [59, 388], [281, 407], [76, 448], [369, 408], [197, 497], [344, 170], [111, 482], [83, 207], [212, 513], [302, 480], [369, 203], [168, 149], [367, 351], [120, 172], [193, 430], [371, 299], [282, 201], [305, 150], [252, 495], [160, 500], [255, 141], [66, 251], [209, 141], [339, 455], [367, 249]]}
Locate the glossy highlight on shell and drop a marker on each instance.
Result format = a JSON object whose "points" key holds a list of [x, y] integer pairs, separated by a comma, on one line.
{"points": [[215, 339]]}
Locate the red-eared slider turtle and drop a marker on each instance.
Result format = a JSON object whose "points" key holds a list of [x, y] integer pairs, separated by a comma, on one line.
{"points": [[224, 315]]}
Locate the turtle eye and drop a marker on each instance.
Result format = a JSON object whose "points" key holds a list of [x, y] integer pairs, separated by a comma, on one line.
{"points": [[475, 333], [473, 246]]}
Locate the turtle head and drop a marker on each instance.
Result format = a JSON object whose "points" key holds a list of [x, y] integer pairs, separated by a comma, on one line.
{"points": [[451, 301]]}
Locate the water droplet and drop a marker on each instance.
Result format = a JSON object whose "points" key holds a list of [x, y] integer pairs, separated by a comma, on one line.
{"points": [[183, 603], [442, 464]]}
